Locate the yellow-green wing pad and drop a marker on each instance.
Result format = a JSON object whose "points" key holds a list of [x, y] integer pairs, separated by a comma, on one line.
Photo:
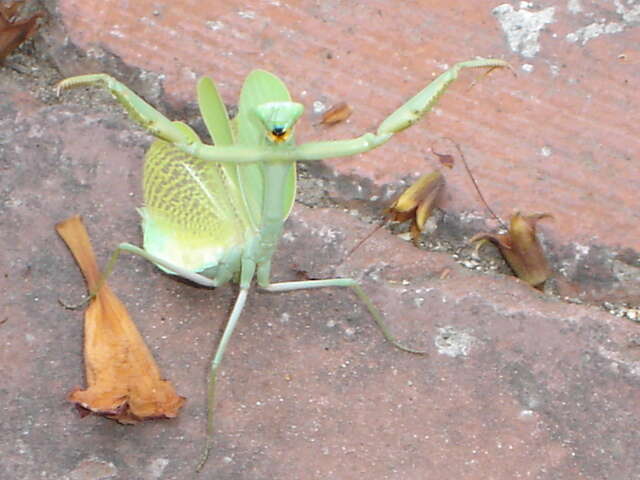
{"points": [[259, 87], [194, 214]]}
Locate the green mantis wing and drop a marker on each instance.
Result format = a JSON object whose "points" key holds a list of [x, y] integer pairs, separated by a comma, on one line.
{"points": [[259, 87], [194, 215]]}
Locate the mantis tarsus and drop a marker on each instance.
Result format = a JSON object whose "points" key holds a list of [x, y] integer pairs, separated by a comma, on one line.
{"points": [[215, 213]]}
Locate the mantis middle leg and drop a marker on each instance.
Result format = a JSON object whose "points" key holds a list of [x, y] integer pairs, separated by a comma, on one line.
{"points": [[127, 247]]}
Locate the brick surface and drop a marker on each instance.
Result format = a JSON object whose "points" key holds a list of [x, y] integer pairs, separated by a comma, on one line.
{"points": [[559, 138], [517, 384]]}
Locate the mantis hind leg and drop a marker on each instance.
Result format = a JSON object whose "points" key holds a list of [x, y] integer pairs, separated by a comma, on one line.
{"points": [[265, 284], [127, 247], [246, 276]]}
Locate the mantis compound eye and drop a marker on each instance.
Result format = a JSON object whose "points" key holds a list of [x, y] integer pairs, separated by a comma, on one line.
{"points": [[278, 131], [279, 134]]}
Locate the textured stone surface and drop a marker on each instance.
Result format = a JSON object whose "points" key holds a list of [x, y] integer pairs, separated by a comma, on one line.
{"points": [[559, 138], [517, 384]]}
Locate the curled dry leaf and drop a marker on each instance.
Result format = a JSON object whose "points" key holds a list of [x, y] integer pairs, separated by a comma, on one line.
{"points": [[336, 114], [417, 202], [124, 380], [521, 248], [12, 31]]}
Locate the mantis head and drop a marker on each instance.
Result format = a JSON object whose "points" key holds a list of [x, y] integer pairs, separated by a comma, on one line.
{"points": [[278, 119]]}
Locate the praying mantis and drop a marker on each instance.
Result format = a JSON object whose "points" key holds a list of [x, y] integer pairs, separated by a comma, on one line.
{"points": [[215, 213]]}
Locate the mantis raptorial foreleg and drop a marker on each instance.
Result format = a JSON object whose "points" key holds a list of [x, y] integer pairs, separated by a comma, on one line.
{"points": [[420, 104], [139, 110], [405, 116]]}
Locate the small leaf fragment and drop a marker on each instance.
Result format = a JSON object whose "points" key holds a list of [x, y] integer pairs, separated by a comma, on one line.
{"points": [[445, 159], [521, 249], [336, 114], [14, 32], [417, 202], [124, 381]]}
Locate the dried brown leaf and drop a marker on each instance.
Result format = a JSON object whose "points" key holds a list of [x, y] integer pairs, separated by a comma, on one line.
{"points": [[445, 159], [417, 202], [521, 248], [336, 114], [14, 32], [124, 380]]}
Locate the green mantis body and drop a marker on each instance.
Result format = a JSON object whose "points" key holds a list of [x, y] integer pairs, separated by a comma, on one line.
{"points": [[215, 213]]}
